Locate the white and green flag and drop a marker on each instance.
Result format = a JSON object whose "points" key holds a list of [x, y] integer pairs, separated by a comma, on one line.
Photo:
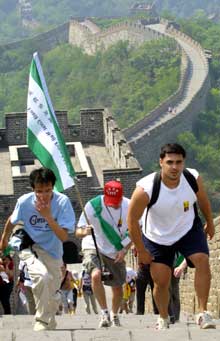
{"points": [[44, 137]]}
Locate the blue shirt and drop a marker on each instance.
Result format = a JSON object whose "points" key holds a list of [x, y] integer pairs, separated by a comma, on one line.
{"points": [[36, 225]]}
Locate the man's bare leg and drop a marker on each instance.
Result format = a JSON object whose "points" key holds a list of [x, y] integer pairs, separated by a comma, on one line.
{"points": [[202, 275], [161, 275], [98, 288], [117, 294]]}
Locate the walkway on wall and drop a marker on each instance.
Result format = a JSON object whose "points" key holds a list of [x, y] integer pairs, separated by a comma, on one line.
{"points": [[197, 75], [83, 327]]}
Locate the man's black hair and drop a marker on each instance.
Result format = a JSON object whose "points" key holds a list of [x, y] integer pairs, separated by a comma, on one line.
{"points": [[42, 176], [172, 148]]}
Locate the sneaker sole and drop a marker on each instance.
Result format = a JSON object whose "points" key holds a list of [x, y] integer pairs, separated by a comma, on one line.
{"points": [[208, 326], [106, 325]]}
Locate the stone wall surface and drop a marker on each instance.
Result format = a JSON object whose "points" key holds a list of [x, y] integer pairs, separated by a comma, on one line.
{"points": [[81, 36]]}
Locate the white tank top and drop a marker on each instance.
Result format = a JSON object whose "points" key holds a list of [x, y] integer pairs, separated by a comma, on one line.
{"points": [[171, 217]]}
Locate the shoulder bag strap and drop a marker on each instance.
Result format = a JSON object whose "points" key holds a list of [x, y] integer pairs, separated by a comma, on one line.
{"points": [[108, 230], [154, 195]]}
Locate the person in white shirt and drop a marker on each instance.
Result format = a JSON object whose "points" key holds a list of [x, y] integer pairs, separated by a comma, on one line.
{"points": [[172, 224], [85, 287], [106, 215]]}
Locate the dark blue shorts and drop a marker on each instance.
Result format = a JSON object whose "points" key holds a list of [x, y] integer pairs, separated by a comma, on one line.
{"points": [[194, 241]]}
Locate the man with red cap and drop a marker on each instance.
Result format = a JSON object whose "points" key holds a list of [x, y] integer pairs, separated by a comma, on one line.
{"points": [[106, 215]]}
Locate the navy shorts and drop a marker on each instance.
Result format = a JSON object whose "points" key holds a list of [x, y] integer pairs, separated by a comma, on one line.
{"points": [[194, 241]]}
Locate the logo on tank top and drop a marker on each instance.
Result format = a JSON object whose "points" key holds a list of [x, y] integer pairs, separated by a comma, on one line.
{"points": [[186, 206]]}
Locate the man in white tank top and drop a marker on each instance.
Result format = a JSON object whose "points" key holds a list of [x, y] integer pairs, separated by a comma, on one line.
{"points": [[172, 225]]}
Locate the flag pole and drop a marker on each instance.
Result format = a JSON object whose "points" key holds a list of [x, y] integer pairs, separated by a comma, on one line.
{"points": [[80, 200]]}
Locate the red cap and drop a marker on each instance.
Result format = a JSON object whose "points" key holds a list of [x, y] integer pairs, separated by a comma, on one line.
{"points": [[113, 192]]}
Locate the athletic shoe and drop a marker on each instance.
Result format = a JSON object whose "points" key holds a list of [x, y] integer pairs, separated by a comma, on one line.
{"points": [[162, 324], [104, 321], [52, 324], [40, 326], [172, 319], [115, 321], [205, 321]]}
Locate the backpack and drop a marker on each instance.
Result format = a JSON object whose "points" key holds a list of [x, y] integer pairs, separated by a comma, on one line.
{"points": [[156, 190]]}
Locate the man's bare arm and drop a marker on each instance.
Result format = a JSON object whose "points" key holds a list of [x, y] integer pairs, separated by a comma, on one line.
{"points": [[205, 207], [138, 203], [6, 234], [82, 232]]}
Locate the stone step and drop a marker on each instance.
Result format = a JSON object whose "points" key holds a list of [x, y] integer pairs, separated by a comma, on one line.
{"points": [[85, 328]]}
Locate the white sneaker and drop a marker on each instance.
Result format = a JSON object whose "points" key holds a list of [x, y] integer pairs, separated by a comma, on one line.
{"points": [[115, 321], [52, 324], [104, 321], [205, 321], [40, 326], [162, 324]]}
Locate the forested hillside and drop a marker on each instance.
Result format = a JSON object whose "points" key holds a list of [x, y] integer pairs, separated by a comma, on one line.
{"points": [[128, 81], [188, 8]]}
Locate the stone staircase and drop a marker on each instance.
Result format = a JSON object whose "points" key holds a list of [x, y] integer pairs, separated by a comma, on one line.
{"points": [[83, 327]]}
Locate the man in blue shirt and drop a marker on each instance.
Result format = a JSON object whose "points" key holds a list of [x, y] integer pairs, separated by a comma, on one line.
{"points": [[47, 216]]}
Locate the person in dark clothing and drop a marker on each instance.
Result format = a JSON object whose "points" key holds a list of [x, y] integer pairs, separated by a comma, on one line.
{"points": [[180, 265], [142, 281], [6, 282]]}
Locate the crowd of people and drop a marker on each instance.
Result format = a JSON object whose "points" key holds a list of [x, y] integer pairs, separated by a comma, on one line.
{"points": [[160, 222]]}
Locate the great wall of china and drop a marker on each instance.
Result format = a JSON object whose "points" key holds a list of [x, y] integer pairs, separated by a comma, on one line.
{"points": [[158, 126]]}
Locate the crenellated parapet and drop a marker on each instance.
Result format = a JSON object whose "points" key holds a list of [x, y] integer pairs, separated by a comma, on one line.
{"points": [[82, 36], [117, 145]]}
